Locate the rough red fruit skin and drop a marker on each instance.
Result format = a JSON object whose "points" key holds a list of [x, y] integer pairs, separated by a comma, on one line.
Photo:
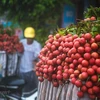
{"points": [[80, 94], [49, 62], [94, 55], [94, 78], [78, 83], [90, 71], [70, 44], [97, 62], [82, 35], [79, 67], [98, 70], [80, 60], [53, 47], [76, 44], [92, 61], [95, 67], [59, 77], [88, 49], [57, 36], [94, 46], [58, 61], [77, 56], [88, 84], [92, 40], [65, 76], [72, 76], [50, 36], [73, 50], [50, 69], [45, 70], [82, 41], [80, 50], [84, 75], [76, 72], [73, 80], [93, 18], [54, 76], [87, 36], [75, 62], [59, 72], [56, 43], [90, 91], [97, 38], [87, 56], [75, 36], [60, 48], [48, 45], [84, 88], [70, 71], [70, 60], [80, 77], [45, 76], [59, 67], [84, 69], [95, 89], [71, 66], [85, 63], [87, 45], [56, 52]]}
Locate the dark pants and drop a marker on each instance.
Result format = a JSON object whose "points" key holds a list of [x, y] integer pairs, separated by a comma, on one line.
{"points": [[31, 83]]}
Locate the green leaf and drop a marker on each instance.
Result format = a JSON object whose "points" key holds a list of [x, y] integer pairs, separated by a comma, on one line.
{"points": [[61, 31], [92, 8], [3, 1], [94, 29], [10, 1]]}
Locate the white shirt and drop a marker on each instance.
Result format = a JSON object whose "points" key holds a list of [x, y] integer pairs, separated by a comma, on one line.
{"points": [[29, 55]]}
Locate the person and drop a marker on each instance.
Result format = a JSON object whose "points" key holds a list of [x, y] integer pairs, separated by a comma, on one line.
{"points": [[27, 61]]}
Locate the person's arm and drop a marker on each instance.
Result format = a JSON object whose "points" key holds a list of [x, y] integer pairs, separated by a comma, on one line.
{"points": [[20, 53]]}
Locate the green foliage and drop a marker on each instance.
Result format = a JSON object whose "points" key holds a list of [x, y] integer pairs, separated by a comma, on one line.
{"points": [[90, 24], [82, 27], [92, 11], [43, 15], [9, 31]]}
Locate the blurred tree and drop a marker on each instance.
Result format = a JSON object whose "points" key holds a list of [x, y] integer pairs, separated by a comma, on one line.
{"points": [[43, 15]]}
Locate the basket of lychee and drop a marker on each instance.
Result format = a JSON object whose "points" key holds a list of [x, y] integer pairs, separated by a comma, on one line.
{"points": [[74, 58], [10, 44]]}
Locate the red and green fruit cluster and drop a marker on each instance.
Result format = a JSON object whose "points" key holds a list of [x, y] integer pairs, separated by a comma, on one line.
{"points": [[90, 19], [72, 58], [10, 44]]}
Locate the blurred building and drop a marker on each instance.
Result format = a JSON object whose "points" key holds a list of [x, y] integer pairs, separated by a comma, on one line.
{"points": [[73, 13]]}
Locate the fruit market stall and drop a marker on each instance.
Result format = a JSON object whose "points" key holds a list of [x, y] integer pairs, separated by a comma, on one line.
{"points": [[69, 66]]}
